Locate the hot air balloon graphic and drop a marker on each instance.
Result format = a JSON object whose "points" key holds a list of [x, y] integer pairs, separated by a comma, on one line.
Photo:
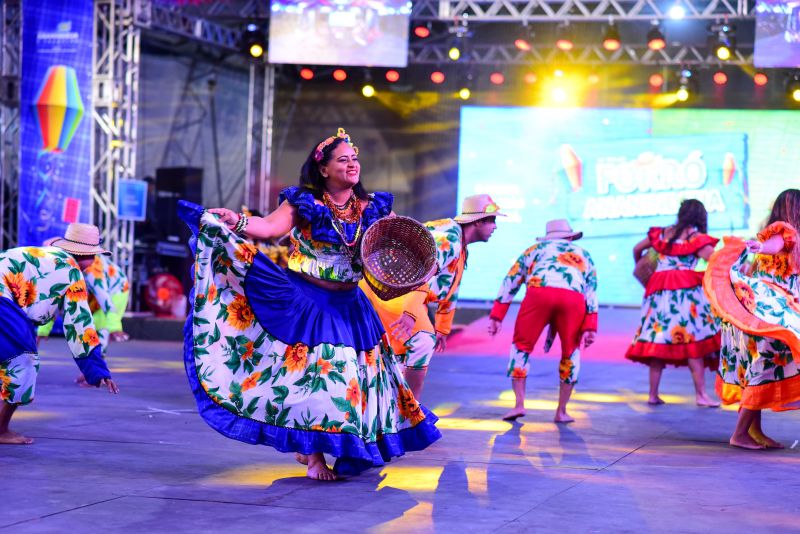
{"points": [[728, 168], [573, 167], [59, 108]]}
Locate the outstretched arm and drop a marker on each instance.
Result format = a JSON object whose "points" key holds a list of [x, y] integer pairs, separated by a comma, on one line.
{"points": [[275, 225], [773, 245]]}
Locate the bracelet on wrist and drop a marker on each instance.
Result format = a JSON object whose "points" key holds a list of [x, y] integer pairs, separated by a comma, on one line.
{"points": [[241, 224]]}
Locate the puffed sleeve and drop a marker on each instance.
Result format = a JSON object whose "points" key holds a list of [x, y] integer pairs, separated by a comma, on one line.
{"points": [[785, 230]]}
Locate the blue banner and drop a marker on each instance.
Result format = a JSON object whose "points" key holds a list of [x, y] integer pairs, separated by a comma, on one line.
{"points": [[55, 122]]}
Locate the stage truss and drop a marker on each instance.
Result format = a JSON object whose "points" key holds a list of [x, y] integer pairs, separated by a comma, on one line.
{"points": [[10, 34]]}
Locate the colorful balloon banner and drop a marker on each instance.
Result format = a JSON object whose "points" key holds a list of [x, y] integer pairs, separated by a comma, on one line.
{"points": [[55, 130]]}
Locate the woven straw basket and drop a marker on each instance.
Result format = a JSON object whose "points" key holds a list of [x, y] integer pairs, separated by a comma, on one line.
{"points": [[399, 255]]}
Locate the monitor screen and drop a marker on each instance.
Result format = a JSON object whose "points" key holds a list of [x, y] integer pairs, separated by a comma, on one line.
{"points": [[613, 173], [340, 32], [777, 34]]}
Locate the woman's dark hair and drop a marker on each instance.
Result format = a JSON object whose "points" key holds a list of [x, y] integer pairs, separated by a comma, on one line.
{"points": [[692, 213], [786, 208], [312, 179]]}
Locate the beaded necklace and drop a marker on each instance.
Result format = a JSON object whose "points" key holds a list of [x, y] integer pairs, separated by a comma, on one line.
{"points": [[349, 212]]}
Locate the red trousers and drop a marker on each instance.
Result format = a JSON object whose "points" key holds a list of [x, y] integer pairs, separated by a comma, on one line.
{"points": [[562, 309]]}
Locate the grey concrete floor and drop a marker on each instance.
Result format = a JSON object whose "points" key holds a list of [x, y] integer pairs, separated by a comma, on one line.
{"points": [[144, 461]]}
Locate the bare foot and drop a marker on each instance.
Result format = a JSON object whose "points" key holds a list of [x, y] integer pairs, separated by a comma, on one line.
{"points": [[763, 439], [119, 336], [319, 470], [745, 442], [563, 417], [655, 401], [705, 400], [514, 414], [301, 458], [81, 382], [12, 438]]}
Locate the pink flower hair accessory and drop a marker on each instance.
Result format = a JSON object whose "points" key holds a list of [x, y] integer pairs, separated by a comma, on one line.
{"points": [[340, 134]]}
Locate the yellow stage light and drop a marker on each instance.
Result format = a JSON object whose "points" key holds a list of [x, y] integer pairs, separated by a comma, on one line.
{"points": [[454, 53], [723, 53], [368, 91], [682, 94], [796, 95], [464, 93], [256, 50]]}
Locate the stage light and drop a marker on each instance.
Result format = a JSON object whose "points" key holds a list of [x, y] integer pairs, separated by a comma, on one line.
{"points": [[593, 79], [723, 40], [564, 40], [253, 40], [682, 94], [523, 45], [720, 78], [368, 91], [497, 78], [464, 93], [307, 74], [422, 31], [760, 79], [684, 85], [611, 39], [339, 75], [656, 80], [454, 53], [392, 76], [530, 78], [559, 95], [676, 12], [793, 86], [655, 39], [437, 77]]}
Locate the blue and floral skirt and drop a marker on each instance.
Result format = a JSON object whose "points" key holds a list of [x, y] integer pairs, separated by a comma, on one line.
{"points": [[273, 359]]}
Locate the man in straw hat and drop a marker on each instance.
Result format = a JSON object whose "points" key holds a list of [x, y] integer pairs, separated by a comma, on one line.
{"points": [[35, 283], [412, 335], [561, 292]]}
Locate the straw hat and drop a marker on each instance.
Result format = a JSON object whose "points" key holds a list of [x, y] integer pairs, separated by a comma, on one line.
{"points": [[478, 207], [559, 229], [80, 239]]}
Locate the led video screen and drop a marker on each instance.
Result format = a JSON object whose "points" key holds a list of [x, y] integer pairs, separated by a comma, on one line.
{"points": [[340, 32], [777, 34], [613, 173]]}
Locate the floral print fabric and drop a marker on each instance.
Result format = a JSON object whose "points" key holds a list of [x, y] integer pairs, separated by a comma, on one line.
{"points": [[325, 388], [765, 366], [555, 263], [18, 379], [43, 281], [676, 324], [451, 257]]}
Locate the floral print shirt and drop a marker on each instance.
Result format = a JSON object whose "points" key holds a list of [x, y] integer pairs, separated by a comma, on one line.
{"points": [[778, 268], [451, 257], [104, 279], [46, 280], [552, 263]]}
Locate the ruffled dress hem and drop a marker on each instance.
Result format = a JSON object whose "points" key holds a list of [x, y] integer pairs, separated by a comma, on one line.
{"points": [[677, 354]]}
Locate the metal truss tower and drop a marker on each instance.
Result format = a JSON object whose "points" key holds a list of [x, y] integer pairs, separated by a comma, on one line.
{"points": [[115, 80], [10, 46], [260, 123]]}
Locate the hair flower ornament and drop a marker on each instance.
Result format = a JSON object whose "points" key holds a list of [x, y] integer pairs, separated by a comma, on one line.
{"points": [[340, 134]]}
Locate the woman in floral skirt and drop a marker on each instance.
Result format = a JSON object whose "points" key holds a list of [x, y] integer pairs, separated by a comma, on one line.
{"points": [[297, 359], [677, 326], [761, 321]]}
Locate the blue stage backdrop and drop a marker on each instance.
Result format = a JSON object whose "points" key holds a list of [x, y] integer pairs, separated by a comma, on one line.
{"points": [[55, 125], [613, 173]]}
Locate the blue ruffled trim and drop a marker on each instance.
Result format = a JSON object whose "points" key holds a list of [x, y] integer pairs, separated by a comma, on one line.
{"points": [[321, 220], [17, 332], [352, 453], [94, 367], [294, 310]]}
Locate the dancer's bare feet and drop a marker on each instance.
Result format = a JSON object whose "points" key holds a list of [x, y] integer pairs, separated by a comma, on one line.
{"points": [[706, 401], [763, 439], [301, 458], [745, 442], [655, 401], [318, 469], [563, 417], [514, 414], [12, 438], [81, 382]]}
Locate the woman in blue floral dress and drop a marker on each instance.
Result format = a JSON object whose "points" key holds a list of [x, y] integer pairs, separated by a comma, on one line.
{"points": [[297, 359], [760, 307], [677, 326]]}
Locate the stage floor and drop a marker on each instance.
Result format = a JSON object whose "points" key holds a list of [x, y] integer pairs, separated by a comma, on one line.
{"points": [[144, 461]]}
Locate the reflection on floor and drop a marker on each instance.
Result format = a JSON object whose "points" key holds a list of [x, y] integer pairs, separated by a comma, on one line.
{"points": [[145, 461]]}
